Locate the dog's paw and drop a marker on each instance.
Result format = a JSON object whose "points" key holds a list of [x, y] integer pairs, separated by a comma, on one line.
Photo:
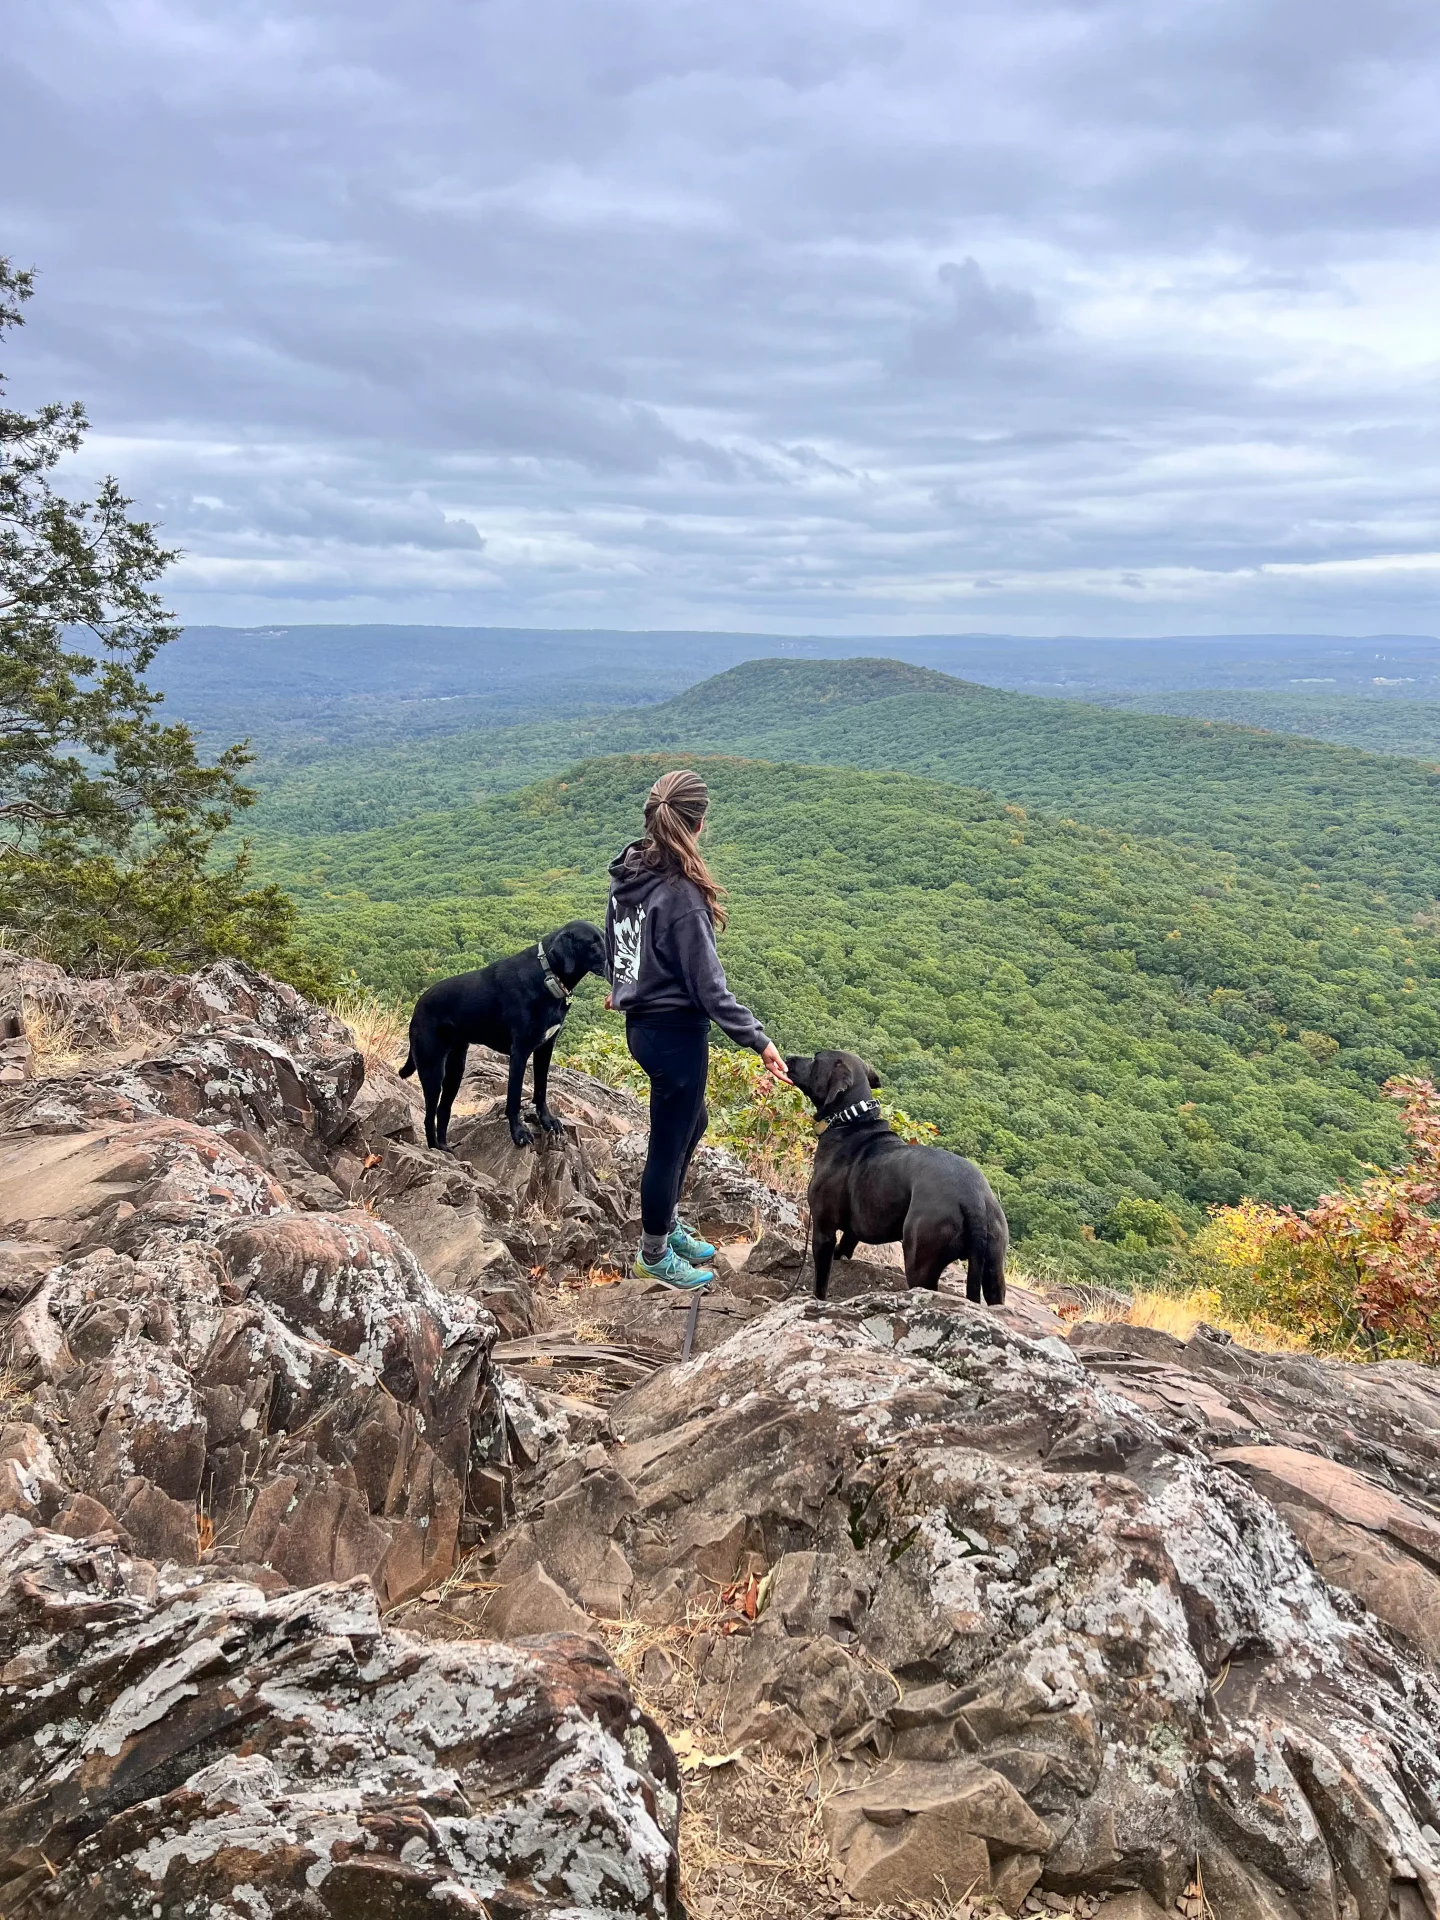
{"points": [[551, 1124], [522, 1135], [442, 1146]]}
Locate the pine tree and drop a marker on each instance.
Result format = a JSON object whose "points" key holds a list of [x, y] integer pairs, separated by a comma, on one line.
{"points": [[108, 816]]}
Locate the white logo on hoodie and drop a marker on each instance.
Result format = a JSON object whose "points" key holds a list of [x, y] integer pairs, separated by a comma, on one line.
{"points": [[627, 944]]}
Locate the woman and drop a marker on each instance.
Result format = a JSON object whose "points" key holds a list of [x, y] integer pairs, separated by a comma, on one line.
{"points": [[666, 978]]}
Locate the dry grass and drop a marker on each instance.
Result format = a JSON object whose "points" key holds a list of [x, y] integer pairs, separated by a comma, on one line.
{"points": [[752, 1843], [51, 1037], [1181, 1313], [30, 943], [381, 1027], [786, 1171], [581, 1384], [17, 1390]]}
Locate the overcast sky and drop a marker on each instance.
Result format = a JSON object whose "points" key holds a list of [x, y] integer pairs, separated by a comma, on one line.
{"points": [[845, 317]]}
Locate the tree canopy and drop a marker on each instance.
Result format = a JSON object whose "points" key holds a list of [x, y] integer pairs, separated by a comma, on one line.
{"points": [[107, 813], [1099, 1018]]}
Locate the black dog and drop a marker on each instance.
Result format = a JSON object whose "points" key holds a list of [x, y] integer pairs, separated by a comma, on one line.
{"points": [[515, 1006], [869, 1185]]}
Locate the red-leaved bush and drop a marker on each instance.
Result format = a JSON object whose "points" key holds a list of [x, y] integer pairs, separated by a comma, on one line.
{"points": [[1361, 1268]]}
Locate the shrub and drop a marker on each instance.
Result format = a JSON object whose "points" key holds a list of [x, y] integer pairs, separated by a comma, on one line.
{"points": [[1138, 1224], [767, 1125], [108, 817], [1361, 1268]]}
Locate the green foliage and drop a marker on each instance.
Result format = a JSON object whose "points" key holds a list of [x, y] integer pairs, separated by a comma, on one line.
{"points": [[1408, 728], [1361, 1269], [768, 1125], [1300, 813], [1138, 1224], [1094, 1016], [107, 816], [603, 1054]]}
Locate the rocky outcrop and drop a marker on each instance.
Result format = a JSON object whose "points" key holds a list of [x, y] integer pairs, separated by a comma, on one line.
{"points": [[192, 1745], [1348, 1456], [227, 1381], [240, 1419], [1042, 1637], [1053, 1612]]}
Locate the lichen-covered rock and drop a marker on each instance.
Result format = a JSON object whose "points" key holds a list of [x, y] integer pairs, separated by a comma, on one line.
{"points": [[126, 1012], [235, 1079], [1348, 1455], [976, 1554], [290, 1393], [218, 1378], [239, 1417], [194, 1746], [126, 1186]]}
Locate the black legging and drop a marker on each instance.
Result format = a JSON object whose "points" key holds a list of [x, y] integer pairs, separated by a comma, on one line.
{"points": [[676, 1059]]}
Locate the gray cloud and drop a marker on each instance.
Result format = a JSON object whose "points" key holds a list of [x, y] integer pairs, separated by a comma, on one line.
{"points": [[1112, 315]]}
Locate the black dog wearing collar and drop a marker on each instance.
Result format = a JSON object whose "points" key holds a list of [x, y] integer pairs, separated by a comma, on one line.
{"points": [[516, 1006], [869, 1185]]}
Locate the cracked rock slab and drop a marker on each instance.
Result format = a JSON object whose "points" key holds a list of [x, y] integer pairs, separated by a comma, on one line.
{"points": [[191, 1745], [1063, 1589]]}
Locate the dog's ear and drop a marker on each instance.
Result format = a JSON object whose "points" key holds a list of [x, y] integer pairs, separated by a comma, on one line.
{"points": [[872, 1077], [839, 1074], [560, 949]]}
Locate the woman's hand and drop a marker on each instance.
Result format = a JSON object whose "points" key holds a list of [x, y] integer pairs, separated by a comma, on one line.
{"points": [[773, 1063]]}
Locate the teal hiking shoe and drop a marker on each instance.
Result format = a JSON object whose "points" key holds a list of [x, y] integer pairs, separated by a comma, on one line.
{"points": [[689, 1245], [672, 1271]]}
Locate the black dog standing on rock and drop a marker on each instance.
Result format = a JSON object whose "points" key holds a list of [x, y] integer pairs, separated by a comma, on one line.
{"points": [[515, 1006], [869, 1185]]}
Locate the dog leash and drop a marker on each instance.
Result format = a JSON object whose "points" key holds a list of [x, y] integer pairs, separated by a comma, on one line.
{"points": [[554, 984], [861, 1110]]}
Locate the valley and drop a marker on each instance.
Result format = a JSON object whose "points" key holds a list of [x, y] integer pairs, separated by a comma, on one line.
{"points": [[1094, 1015]]}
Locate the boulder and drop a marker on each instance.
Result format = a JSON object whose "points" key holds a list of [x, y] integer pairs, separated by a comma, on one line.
{"points": [[235, 1079], [532, 1603], [919, 1832], [198, 1746], [1348, 1455], [293, 1395], [453, 1219], [1384, 1550], [125, 1185], [980, 1562]]}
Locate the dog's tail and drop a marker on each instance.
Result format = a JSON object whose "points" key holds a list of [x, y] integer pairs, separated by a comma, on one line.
{"points": [[985, 1273], [409, 1066]]}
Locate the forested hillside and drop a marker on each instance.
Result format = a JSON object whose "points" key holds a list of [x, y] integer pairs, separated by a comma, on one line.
{"points": [[1410, 728], [1094, 1015], [1301, 811]]}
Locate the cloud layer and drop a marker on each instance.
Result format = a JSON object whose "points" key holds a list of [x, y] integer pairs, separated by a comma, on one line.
{"points": [[1117, 316]]}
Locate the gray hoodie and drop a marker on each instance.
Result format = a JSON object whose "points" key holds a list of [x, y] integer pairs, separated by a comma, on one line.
{"points": [[660, 953]]}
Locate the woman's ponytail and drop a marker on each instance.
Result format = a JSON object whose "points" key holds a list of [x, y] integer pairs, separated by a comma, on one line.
{"points": [[674, 815]]}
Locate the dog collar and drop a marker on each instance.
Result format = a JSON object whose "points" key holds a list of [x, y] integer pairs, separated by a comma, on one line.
{"points": [[553, 982], [861, 1110]]}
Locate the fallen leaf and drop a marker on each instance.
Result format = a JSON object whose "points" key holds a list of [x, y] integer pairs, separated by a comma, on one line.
{"points": [[373, 1160], [691, 1758], [744, 1596]]}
